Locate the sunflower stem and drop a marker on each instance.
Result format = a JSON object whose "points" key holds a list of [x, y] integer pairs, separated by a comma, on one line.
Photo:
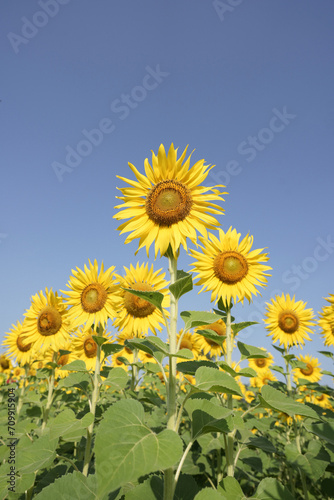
{"points": [[51, 383], [229, 349], [95, 395], [23, 388], [169, 481], [134, 371]]}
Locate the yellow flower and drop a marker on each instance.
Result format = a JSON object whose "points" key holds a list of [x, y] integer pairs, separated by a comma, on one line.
{"points": [[326, 321], [209, 346], [5, 364], [17, 347], [189, 341], [47, 324], [288, 321], [84, 347], [168, 205], [262, 379], [91, 295], [61, 360], [261, 365], [229, 269], [134, 314], [312, 372]]}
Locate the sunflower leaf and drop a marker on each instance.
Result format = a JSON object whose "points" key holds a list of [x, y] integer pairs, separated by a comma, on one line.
{"points": [[249, 351], [276, 400], [326, 353], [237, 327], [183, 354], [209, 379], [75, 366], [111, 349], [211, 335], [117, 379], [190, 367], [154, 298], [182, 285], [279, 349], [99, 340], [247, 372], [147, 346], [198, 318]]}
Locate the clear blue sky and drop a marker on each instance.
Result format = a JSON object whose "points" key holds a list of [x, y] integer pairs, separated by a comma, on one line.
{"points": [[248, 84]]}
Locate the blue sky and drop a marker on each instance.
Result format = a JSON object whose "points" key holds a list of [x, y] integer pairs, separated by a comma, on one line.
{"points": [[249, 85]]}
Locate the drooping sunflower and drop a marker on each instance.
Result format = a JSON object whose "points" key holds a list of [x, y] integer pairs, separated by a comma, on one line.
{"points": [[229, 269], [209, 346], [288, 321], [16, 345], [136, 315], [311, 372], [91, 295], [326, 321], [261, 365], [168, 205], [84, 347], [47, 324]]}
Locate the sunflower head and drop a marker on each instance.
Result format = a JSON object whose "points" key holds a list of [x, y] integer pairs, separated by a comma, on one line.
{"points": [[310, 372], [84, 347], [261, 365], [16, 344], [326, 321], [168, 204], [288, 321], [228, 268]]}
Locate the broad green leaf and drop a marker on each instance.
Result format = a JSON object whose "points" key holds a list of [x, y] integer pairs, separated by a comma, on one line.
{"points": [[125, 448], [190, 367], [184, 354], [276, 400], [262, 443], [324, 430], [326, 372], [146, 346], [117, 379], [279, 349], [237, 327], [74, 486], [99, 340], [152, 489], [158, 344], [319, 459], [31, 457], [231, 489], [327, 353], [182, 285], [247, 372], [278, 369], [43, 373], [203, 423], [77, 379], [22, 482], [271, 489], [154, 298], [198, 318], [207, 403], [249, 351], [211, 335], [67, 427], [209, 379], [109, 349], [210, 494], [76, 366], [222, 307]]}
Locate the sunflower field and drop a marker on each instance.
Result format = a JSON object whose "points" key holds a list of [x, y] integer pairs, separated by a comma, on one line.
{"points": [[110, 392]]}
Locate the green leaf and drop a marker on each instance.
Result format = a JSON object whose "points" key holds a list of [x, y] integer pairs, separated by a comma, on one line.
{"points": [[279, 349], [43, 373], [77, 379], [326, 372], [190, 367], [31, 457], [324, 430], [74, 486], [276, 400], [211, 335], [247, 372], [210, 494], [237, 327], [262, 443], [183, 354], [125, 448], [99, 340], [146, 346], [152, 489], [318, 458], [117, 379], [271, 489], [208, 404], [278, 369], [66, 426], [231, 489], [249, 351], [327, 353], [197, 318], [182, 285], [109, 349], [76, 366], [209, 379], [224, 307], [154, 298]]}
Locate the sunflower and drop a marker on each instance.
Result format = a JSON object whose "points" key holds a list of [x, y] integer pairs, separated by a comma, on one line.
{"points": [[84, 347], [61, 360], [260, 365], [324, 401], [135, 315], [326, 321], [91, 295], [209, 346], [311, 372], [288, 321], [262, 379], [17, 347], [229, 269], [5, 364], [168, 205], [189, 341], [47, 324]]}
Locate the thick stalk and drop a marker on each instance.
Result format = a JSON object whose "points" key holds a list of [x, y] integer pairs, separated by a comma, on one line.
{"points": [[51, 382], [169, 482], [95, 395], [229, 349]]}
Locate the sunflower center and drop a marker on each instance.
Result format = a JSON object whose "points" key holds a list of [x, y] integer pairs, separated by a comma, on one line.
{"points": [[22, 347], [320, 398], [266, 380], [219, 328], [260, 362], [90, 347], [168, 202], [186, 344], [4, 363], [230, 267], [288, 322], [308, 370], [49, 321], [63, 360], [93, 297], [138, 307]]}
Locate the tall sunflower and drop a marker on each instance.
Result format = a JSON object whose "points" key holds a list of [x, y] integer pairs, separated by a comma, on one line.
{"points": [[261, 365], [47, 324], [17, 347], [84, 347], [326, 321], [288, 321], [168, 205], [136, 315], [91, 295], [311, 372], [230, 269]]}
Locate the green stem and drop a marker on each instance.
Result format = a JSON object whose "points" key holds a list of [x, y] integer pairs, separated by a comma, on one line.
{"points": [[229, 349], [23, 388], [95, 395], [134, 374], [51, 382], [169, 481]]}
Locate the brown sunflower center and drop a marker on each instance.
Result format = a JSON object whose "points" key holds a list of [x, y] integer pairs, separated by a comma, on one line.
{"points": [[260, 362], [21, 346], [63, 360], [93, 297], [138, 307], [4, 363], [265, 380], [288, 322], [230, 267], [49, 321], [320, 398], [168, 202], [186, 344], [219, 328], [90, 347], [308, 370]]}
